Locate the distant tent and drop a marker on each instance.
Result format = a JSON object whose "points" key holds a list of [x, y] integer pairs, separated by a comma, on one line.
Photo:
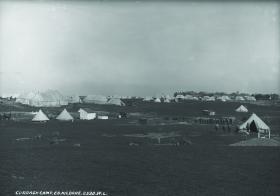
{"points": [[65, 116], [40, 117], [49, 98], [250, 98], [241, 108], [195, 98], [255, 124], [97, 99], [208, 98], [157, 100], [239, 98], [74, 99], [116, 96], [179, 98], [223, 98], [188, 97], [116, 101], [148, 99], [86, 114]]}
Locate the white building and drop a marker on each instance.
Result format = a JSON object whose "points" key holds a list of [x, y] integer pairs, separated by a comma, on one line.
{"points": [[86, 114]]}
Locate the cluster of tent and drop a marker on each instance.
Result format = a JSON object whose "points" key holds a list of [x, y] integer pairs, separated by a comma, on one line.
{"points": [[181, 97], [42, 117], [53, 98], [245, 98], [84, 114], [100, 99], [165, 99], [224, 98]]}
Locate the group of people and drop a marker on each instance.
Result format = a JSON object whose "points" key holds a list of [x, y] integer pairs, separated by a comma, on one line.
{"points": [[223, 121], [6, 116]]}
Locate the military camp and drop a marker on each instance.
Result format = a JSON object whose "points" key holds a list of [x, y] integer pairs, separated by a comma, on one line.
{"points": [[133, 136], [139, 98]]}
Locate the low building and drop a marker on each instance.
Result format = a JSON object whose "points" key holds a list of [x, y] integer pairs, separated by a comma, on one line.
{"points": [[86, 114]]}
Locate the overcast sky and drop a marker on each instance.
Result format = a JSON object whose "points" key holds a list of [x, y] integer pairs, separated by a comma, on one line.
{"points": [[139, 48]]}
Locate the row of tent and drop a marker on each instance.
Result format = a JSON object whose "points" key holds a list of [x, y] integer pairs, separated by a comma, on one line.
{"points": [[40, 116], [179, 97], [241, 108], [100, 99], [254, 123], [86, 114], [53, 98]]}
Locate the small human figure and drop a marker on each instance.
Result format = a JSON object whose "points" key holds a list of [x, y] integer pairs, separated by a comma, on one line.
{"points": [[217, 127]]}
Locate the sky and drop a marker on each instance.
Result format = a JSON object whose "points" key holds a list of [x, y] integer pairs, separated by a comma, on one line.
{"points": [[139, 48]]}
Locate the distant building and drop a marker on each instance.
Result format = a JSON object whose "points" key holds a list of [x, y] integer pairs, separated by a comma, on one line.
{"points": [[209, 112], [103, 117], [86, 114]]}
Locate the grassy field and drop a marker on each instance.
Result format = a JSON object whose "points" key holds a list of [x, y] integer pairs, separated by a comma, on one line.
{"points": [[97, 155]]}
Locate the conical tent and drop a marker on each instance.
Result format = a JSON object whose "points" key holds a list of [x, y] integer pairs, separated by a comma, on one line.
{"points": [[64, 115], [254, 122], [40, 117], [157, 100], [241, 108]]}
